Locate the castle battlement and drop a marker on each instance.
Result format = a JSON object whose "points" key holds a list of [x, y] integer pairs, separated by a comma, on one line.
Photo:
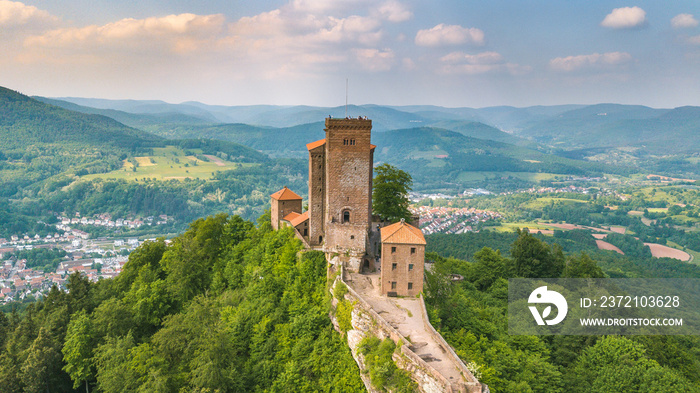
{"points": [[349, 122]]}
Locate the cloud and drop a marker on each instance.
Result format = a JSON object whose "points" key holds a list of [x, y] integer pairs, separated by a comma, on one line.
{"points": [[463, 63], [375, 60], [449, 35], [681, 21], [625, 18], [695, 40], [481, 58], [173, 33], [300, 39], [16, 14], [592, 61], [394, 11]]}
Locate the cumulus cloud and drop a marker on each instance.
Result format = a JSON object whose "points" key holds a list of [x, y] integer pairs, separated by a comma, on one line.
{"points": [[375, 60], [625, 18], [464, 63], [301, 38], [174, 33], [595, 60], [15, 14], [681, 21], [394, 11], [449, 35]]}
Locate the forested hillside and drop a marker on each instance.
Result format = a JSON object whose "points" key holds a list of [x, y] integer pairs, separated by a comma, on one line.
{"points": [[472, 316], [51, 160], [439, 158], [226, 307]]}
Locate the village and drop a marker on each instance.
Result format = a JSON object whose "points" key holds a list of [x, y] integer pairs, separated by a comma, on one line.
{"points": [[23, 279], [452, 220]]}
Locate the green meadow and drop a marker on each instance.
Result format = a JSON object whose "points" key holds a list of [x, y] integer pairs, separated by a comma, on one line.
{"points": [[170, 163]]}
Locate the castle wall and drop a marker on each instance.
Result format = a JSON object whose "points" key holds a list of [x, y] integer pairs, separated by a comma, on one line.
{"points": [[365, 321], [317, 192], [347, 237]]}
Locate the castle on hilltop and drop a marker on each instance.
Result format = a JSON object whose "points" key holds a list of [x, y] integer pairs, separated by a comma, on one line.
{"points": [[339, 218]]}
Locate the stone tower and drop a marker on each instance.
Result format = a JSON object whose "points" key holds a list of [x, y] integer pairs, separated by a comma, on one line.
{"points": [[282, 203], [340, 186]]}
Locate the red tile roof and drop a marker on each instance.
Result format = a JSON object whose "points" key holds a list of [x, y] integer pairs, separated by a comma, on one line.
{"points": [[402, 233], [300, 219], [285, 194], [313, 145], [289, 217]]}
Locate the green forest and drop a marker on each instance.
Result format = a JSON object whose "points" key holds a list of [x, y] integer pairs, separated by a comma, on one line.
{"points": [[231, 306], [471, 315], [227, 307]]}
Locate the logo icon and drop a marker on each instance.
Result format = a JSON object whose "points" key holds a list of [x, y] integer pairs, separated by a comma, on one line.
{"points": [[542, 295]]}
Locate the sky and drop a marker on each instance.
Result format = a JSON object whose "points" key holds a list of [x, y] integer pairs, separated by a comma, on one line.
{"points": [[453, 53]]}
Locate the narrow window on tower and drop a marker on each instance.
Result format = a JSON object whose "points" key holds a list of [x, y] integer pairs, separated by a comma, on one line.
{"points": [[410, 267], [413, 250], [393, 266], [346, 216], [393, 250], [410, 286], [393, 285]]}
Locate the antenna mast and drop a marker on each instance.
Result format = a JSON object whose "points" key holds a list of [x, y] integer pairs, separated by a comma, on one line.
{"points": [[346, 97]]}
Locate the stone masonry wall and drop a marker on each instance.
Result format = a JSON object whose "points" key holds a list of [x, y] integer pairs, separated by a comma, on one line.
{"points": [[317, 194], [348, 170], [366, 321], [279, 209], [402, 257]]}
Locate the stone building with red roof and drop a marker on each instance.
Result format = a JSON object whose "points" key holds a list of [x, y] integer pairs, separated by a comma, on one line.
{"points": [[403, 260], [339, 216]]}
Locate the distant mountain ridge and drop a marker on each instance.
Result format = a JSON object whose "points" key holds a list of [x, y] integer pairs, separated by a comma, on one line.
{"points": [[565, 127], [627, 135], [24, 121]]}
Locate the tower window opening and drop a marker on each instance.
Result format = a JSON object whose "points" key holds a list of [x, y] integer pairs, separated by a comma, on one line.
{"points": [[346, 216]]}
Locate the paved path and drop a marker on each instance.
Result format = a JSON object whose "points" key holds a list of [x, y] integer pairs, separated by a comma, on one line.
{"points": [[404, 314]]}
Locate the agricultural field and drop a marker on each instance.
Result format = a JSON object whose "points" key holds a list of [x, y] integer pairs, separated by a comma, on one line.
{"points": [[170, 163]]}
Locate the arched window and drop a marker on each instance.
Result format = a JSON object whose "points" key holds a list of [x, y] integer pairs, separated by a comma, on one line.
{"points": [[346, 216]]}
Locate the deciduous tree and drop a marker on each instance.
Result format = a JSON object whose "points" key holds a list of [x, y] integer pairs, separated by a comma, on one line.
{"points": [[390, 193]]}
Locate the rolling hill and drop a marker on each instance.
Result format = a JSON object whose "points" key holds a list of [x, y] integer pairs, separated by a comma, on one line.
{"points": [[39, 141], [616, 126], [443, 159], [25, 121], [136, 120]]}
